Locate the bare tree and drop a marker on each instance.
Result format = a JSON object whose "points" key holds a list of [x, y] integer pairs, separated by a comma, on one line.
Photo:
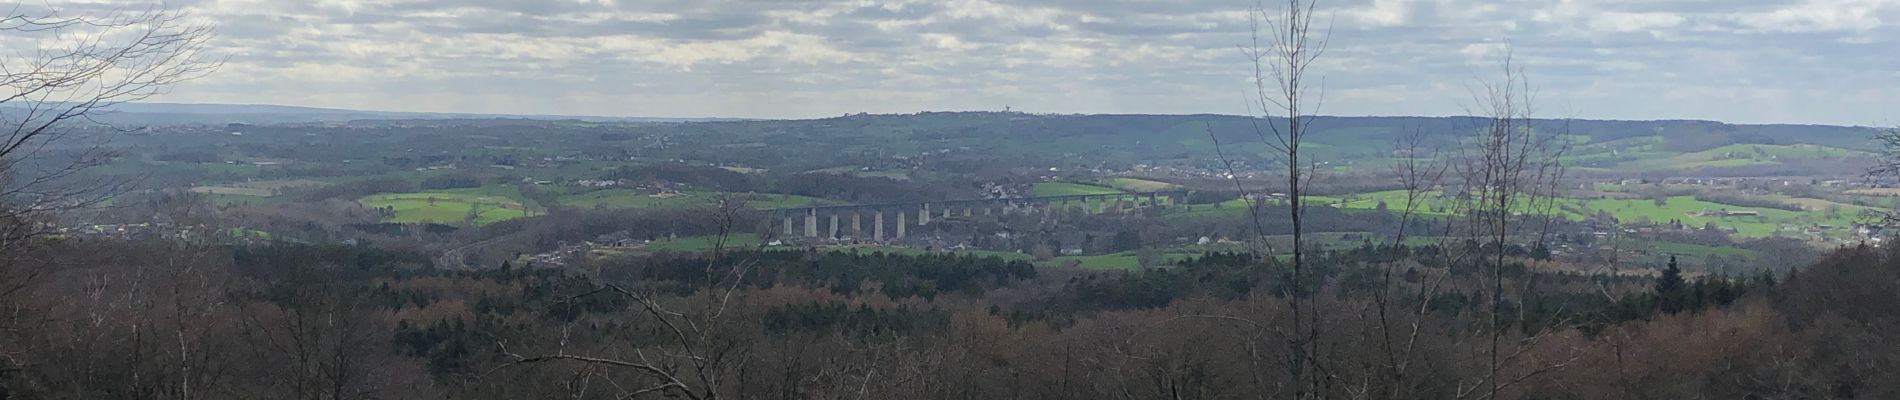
{"points": [[692, 358], [1418, 172], [1886, 168], [1281, 62], [1509, 170], [84, 65], [1282, 47], [324, 339], [1619, 339], [157, 308], [1257, 243]]}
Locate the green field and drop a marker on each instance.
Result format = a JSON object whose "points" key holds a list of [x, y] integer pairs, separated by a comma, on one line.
{"points": [[1696, 251], [628, 199], [1394, 201], [1045, 189], [1137, 185], [447, 206], [1230, 207], [1648, 153], [1740, 155], [1688, 210], [504, 202]]}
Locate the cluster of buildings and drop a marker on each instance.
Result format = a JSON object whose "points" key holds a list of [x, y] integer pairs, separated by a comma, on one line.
{"points": [[164, 231]]}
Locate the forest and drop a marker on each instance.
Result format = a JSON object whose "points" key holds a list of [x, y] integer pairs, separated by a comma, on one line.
{"points": [[154, 320]]}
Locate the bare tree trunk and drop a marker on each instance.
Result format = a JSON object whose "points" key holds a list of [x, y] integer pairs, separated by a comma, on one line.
{"points": [[1417, 177], [1281, 61], [1514, 168], [85, 64]]}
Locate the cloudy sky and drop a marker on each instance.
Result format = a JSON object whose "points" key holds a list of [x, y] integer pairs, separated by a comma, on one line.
{"points": [[1785, 61]]}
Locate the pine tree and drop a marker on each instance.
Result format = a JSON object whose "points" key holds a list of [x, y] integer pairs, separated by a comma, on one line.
{"points": [[1669, 288]]}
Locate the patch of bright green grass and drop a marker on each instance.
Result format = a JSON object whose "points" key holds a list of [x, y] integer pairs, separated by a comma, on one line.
{"points": [[1138, 185], [1741, 155], [629, 199], [1690, 212], [1696, 251], [1045, 189], [446, 207]]}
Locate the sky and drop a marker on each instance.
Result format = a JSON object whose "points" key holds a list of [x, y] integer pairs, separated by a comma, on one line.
{"points": [[1743, 61]]}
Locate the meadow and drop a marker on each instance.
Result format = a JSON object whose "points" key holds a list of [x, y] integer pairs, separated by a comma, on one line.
{"points": [[1838, 218], [629, 199], [1137, 185], [1685, 209], [504, 202], [1046, 189], [446, 207]]}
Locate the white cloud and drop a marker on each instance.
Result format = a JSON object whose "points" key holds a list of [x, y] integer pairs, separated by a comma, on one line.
{"points": [[1483, 53], [1381, 13], [1819, 15], [1634, 22], [947, 42], [1604, 58]]}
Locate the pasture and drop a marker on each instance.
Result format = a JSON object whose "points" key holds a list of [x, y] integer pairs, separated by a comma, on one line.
{"points": [[621, 199], [1137, 185], [446, 207], [1045, 189], [1688, 210]]}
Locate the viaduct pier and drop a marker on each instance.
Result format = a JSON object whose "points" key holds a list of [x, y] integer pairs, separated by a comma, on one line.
{"points": [[890, 221]]}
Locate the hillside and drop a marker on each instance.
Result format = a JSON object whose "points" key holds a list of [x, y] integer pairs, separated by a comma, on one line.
{"points": [[979, 141], [174, 114], [1343, 144]]}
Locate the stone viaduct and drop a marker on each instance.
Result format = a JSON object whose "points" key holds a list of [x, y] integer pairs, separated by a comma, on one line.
{"points": [[849, 220]]}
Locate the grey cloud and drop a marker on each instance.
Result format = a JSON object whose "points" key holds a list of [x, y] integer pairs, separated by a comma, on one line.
{"points": [[770, 58]]}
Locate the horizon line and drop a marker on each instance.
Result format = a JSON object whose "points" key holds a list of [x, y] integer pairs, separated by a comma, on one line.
{"points": [[849, 114]]}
